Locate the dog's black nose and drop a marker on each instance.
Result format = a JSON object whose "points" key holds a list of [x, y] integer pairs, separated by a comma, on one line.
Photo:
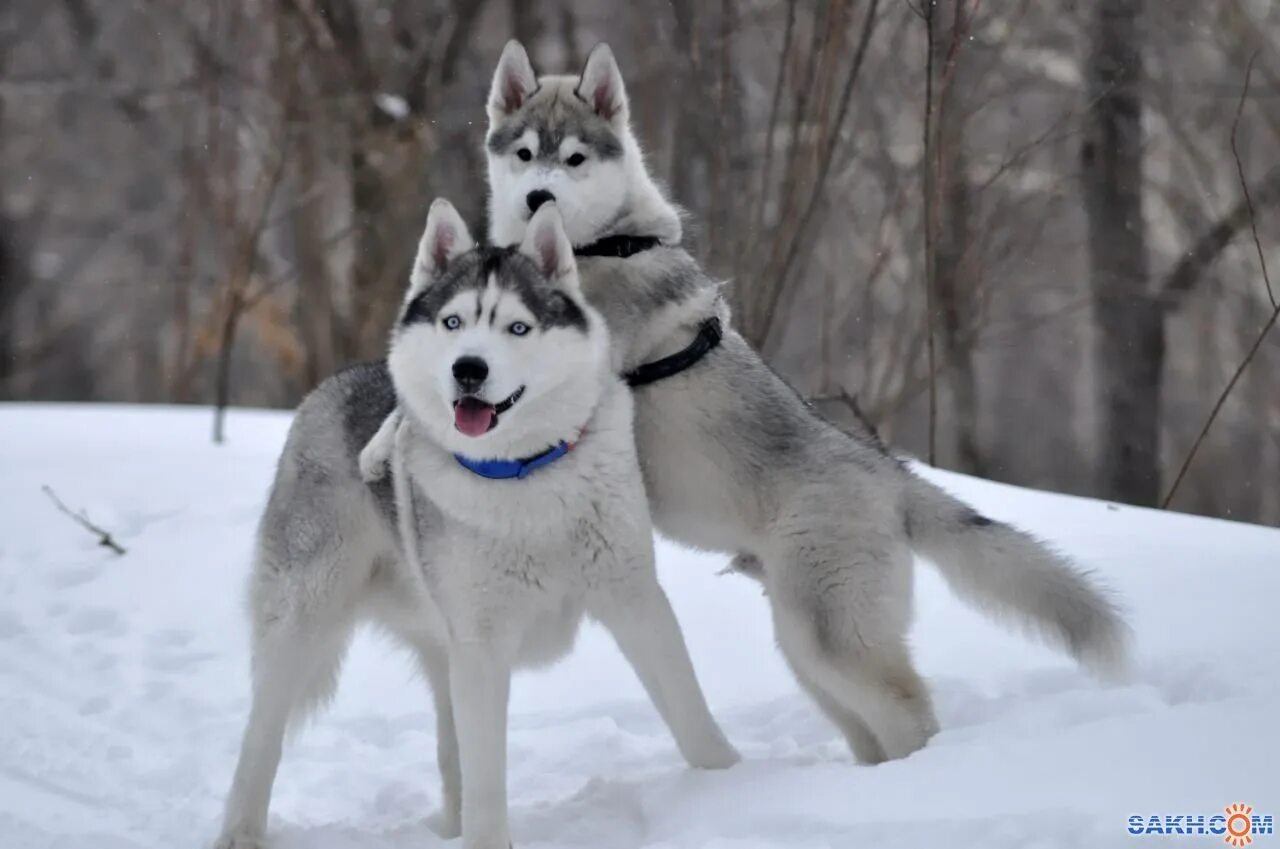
{"points": [[537, 198], [470, 372]]}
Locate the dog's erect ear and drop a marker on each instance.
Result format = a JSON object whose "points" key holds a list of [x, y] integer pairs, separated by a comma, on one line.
{"points": [[444, 239], [547, 245], [513, 82], [601, 85]]}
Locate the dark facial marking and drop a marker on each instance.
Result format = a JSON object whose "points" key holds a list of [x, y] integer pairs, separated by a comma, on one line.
{"points": [[549, 306], [515, 273], [460, 275], [554, 119], [504, 136]]}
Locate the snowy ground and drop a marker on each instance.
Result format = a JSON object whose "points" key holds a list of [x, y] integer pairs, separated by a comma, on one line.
{"points": [[123, 684]]}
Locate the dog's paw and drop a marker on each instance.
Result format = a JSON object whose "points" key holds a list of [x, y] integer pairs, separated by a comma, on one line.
{"points": [[240, 841], [373, 464], [714, 754], [446, 824]]}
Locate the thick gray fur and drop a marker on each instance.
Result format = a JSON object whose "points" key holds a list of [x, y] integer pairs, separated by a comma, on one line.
{"points": [[474, 576], [735, 461]]}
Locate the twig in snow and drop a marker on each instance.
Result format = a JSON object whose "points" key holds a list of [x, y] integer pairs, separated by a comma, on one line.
{"points": [[104, 538]]}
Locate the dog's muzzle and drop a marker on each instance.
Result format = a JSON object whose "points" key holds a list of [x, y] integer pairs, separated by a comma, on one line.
{"points": [[475, 417]]}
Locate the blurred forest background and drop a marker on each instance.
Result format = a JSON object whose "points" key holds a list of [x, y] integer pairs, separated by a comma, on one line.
{"points": [[208, 199]]}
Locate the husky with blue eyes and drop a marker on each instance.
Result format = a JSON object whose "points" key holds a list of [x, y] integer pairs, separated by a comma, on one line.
{"points": [[513, 507], [503, 372]]}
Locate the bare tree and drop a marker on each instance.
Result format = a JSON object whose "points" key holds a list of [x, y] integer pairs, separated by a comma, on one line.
{"points": [[1250, 205], [1128, 316], [145, 259], [949, 217]]}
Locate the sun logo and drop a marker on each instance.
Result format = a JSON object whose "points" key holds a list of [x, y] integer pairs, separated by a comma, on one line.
{"points": [[1239, 825]]}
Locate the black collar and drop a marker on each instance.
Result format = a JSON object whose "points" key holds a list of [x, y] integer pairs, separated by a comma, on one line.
{"points": [[619, 247], [709, 335]]}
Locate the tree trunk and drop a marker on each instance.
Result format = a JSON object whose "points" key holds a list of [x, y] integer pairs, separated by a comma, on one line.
{"points": [[955, 299], [951, 268], [317, 317], [13, 280], [1128, 317]]}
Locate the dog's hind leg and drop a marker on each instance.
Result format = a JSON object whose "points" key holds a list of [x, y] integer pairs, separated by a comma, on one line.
{"points": [[842, 629], [296, 660], [646, 630], [866, 748]]}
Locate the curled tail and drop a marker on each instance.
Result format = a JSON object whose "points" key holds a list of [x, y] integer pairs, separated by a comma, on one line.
{"points": [[1015, 578]]}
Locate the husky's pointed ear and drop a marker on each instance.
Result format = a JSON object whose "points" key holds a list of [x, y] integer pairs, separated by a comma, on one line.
{"points": [[513, 81], [546, 243], [445, 237], [601, 85]]}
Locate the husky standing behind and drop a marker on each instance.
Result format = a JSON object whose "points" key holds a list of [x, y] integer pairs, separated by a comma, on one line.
{"points": [[735, 461], [496, 356]]}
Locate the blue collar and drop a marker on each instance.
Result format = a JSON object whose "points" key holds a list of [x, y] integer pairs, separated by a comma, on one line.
{"points": [[508, 469]]}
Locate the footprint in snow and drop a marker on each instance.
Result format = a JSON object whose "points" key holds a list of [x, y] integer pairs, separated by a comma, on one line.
{"points": [[96, 620], [166, 651]]}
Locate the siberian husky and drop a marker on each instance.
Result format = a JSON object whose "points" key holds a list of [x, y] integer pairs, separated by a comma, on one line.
{"points": [[520, 509], [734, 460]]}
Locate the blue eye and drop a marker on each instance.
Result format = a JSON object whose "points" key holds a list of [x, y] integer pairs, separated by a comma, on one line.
{"points": [[451, 322], [518, 328]]}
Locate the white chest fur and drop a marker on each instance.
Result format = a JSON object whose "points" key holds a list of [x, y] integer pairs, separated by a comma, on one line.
{"points": [[520, 555]]}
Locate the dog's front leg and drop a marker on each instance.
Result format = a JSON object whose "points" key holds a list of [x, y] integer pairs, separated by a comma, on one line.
{"points": [[640, 618], [480, 681]]}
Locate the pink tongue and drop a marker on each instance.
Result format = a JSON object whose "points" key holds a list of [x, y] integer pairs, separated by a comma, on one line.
{"points": [[473, 417]]}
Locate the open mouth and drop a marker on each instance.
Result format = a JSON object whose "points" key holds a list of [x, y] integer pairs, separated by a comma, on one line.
{"points": [[476, 417]]}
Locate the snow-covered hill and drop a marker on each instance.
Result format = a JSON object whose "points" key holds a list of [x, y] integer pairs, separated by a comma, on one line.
{"points": [[123, 684]]}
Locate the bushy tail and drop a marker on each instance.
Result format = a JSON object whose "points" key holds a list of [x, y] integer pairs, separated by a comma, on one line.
{"points": [[1015, 578]]}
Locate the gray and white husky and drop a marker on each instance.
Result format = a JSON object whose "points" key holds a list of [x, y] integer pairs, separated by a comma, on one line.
{"points": [[520, 508], [735, 461]]}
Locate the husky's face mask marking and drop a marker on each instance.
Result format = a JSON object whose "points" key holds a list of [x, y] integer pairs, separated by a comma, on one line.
{"points": [[496, 344], [563, 136]]}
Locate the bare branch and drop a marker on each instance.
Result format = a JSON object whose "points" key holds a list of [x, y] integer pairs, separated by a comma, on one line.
{"points": [[104, 537], [1266, 278], [1184, 276], [771, 133], [236, 293], [827, 154], [466, 14], [1244, 184], [1217, 407]]}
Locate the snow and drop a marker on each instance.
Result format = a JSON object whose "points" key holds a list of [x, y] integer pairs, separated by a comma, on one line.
{"points": [[393, 104], [123, 683]]}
